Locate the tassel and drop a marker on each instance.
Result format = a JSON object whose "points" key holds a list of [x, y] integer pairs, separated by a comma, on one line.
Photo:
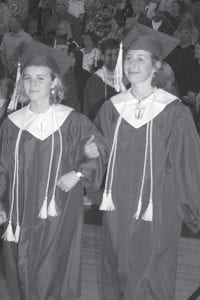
{"points": [[118, 73], [8, 234], [52, 208], [17, 232], [137, 214], [55, 43], [107, 202], [43, 211], [148, 214], [13, 102]]}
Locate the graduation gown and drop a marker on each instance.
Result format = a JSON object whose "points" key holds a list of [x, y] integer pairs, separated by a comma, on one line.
{"points": [[45, 263], [140, 257], [97, 91]]}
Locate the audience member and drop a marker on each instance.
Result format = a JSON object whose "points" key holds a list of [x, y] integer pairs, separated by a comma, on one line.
{"points": [[101, 85], [12, 45], [108, 26], [4, 17], [91, 54], [62, 14]]}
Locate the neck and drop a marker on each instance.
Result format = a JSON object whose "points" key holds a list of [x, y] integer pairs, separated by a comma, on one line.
{"points": [[141, 90], [39, 106]]}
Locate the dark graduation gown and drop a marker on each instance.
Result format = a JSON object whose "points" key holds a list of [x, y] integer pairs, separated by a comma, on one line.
{"points": [[45, 264], [140, 257], [96, 92]]}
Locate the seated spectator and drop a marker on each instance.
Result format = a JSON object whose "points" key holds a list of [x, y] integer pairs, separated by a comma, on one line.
{"points": [[187, 21], [64, 28], [174, 16], [4, 16], [164, 79], [108, 26], [195, 11], [13, 44], [76, 8], [90, 52], [124, 10], [61, 14], [6, 89], [182, 57], [192, 81], [19, 7], [89, 19]]}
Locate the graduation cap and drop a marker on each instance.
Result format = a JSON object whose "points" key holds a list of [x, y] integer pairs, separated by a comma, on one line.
{"points": [[63, 61], [36, 53], [167, 42]]}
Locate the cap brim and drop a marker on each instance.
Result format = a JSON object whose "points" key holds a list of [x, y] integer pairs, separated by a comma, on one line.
{"points": [[168, 42], [63, 60]]}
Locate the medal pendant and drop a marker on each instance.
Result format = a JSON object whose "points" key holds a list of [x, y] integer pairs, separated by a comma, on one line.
{"points": [[139, 111]]}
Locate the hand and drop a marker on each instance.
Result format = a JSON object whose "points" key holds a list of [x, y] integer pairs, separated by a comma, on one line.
{"points": [[67, 181], [3, 217], [90, 148]]}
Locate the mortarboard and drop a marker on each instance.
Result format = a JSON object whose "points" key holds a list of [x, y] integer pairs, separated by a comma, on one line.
{"points": [[167, 42], [63, 61]]}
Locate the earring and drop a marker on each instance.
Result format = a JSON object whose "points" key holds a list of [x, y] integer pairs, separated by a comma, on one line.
{"points": [[53, 95]]}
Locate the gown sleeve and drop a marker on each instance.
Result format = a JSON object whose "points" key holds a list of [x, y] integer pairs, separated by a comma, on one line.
{"points": [[93, 169], [4, 153], [186, 161]]}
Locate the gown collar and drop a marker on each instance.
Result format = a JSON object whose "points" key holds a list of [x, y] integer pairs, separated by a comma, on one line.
{"points": [[160, 99], [41, 125]]}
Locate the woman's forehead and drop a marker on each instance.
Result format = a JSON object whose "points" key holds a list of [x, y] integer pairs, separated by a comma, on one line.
{"points": [[138, 53], [42, 70]]}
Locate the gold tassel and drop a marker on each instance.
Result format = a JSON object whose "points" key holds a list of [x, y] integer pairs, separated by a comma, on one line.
{"points": [[8, 234], [118, 73], [137, 214], [107, 202], [55, 43], [148, 214], [13, 102], [17, 233], [52, 208], [43, 211]]}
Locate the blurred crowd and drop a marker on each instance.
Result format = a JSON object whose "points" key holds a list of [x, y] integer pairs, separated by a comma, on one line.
{"points": [[81, 28]]}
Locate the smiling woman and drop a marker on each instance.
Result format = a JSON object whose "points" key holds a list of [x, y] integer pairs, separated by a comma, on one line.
{"points": [[152, 181], [44, 165]]}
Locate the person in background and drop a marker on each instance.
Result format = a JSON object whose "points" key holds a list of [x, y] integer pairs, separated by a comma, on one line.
{"points": [[44, 165], [124, 10], [91, 54], [152, 181], [4, 17], [64, 29], [107, 26], [76, 8], [19, 7], [75, 79], [60, 14], [165, 79], [12, 45], [101, 85], [6, 89]]}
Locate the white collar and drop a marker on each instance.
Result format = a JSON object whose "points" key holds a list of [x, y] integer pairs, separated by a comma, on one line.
{"points": [[41, 125], [160, 99], [156, 25], [102, 73]]}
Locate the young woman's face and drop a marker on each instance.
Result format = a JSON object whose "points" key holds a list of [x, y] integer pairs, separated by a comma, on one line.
{"points": [[37, 82], [138, 66]]}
